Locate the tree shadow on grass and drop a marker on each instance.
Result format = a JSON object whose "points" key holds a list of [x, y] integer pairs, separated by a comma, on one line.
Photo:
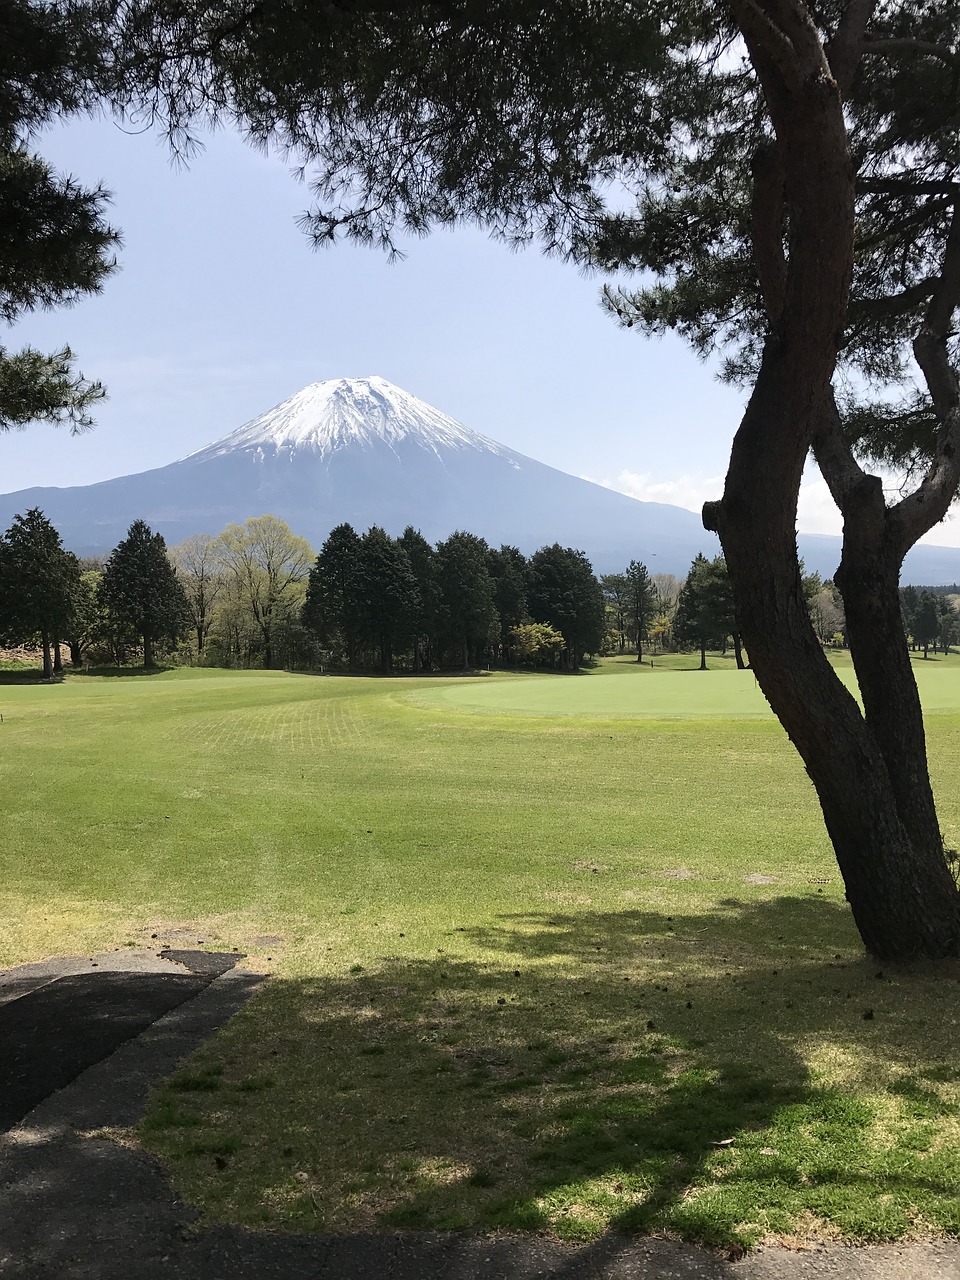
{"points": [[158, 670], [585, 1073], [28, 676]]}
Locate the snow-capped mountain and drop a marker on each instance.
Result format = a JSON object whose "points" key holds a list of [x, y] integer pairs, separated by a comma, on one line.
{"points": [[364, 451], [345, 413]]}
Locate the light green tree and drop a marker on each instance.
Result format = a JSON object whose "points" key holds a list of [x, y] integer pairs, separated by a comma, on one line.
{"points": [[268, 566]]}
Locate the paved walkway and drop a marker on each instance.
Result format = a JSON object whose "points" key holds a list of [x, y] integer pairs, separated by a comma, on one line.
{"points": [[81, 1208]]}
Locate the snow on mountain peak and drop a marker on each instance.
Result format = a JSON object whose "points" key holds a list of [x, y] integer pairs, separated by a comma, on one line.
{"points": [[326, 416]]}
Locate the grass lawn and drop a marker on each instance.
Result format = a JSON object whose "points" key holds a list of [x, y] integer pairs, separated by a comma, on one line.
{"points": [[556, 953]]}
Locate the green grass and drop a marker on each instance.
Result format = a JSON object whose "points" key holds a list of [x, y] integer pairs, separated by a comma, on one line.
{"points": [[536, 965]]}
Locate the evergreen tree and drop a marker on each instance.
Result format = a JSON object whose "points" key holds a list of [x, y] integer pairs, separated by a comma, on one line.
{"points": [[140, 591], [331, 608], [387, 596], [38, 586], [925, 623], [616, 595], [700, 619], [56, 246], [86, 622], [949, 623], [508, 568], [422, 559], [641, 603], [562, 591], [467, 610]]}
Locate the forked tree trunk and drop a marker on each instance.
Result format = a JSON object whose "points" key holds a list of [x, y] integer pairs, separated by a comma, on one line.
{"points": [[879, 815]]}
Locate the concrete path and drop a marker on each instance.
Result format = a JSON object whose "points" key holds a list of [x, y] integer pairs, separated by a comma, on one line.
{"points": [[74, 1207]]}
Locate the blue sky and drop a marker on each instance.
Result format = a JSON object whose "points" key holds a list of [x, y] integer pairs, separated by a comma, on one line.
{"points": [[221, 310]]}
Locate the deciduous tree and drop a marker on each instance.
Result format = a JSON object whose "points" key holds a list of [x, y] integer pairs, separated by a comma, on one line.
{"points": [[269, 566], [200, 569]]}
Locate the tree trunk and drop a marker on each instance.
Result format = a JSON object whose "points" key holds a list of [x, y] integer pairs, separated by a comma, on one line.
{"points": [[703, 656], [57, 658], [76, 653], [904, 902], [148, 652], [47, 660], [466, 654], [869, 579]]}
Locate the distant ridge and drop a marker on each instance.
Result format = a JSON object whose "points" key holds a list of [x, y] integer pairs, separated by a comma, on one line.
{"points": [[365, 451]]}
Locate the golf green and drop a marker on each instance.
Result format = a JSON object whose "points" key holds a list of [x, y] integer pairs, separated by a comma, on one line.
{"points": [[657, 693]]}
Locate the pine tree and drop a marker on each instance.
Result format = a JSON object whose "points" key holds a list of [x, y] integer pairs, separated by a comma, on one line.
{"points": [[695, 621], [387, 595], [38, 585], [508, 568], [140, 591], [468, 613], [56, 244], [926, 622], [562, 590], [331, 608], [641, 603], [422, 559]]}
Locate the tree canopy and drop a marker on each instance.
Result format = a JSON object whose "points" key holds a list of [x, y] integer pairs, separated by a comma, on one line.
{"points": [[56, 245]]}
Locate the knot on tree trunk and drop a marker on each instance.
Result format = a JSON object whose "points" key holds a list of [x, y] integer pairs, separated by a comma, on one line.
{"points": [[710, 515]]}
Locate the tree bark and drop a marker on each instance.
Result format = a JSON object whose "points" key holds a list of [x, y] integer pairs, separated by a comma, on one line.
{"points": [[703, 657], [901, 898], [148, 652], [47, 660]]}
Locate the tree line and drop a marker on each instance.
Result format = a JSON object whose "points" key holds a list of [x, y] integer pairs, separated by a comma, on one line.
{"points": [[255, 595]]}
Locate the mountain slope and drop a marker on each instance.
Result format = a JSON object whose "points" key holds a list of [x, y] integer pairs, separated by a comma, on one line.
{"points": [[363, 450]]}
